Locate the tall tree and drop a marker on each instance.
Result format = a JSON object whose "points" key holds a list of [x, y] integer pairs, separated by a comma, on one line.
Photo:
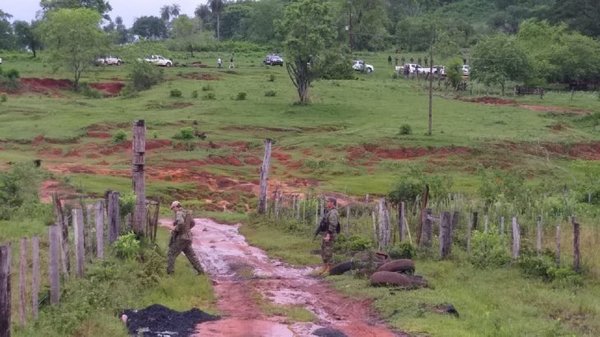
{"points": [[149, 27], [184, 33], [100, 6], [203, 13], [216, 8], [27, 36], [73, 38], [367, 23], [262, 16], [582, 15], [307, 28], [6, 31]]}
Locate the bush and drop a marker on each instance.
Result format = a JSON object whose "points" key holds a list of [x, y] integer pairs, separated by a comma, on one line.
{"points": [[19, 188], [403, 250], [488, 250], [271, 78], [405, 129], [241, 96], [186, 133], [3, 98], [144, 75], [195, 94], [270, 93], [119, 137], [207, 87], [127, 246], [90, 92], [351, 244], [9, 79], [176, 93], [210, 96], [127, 203], [544, 267]]}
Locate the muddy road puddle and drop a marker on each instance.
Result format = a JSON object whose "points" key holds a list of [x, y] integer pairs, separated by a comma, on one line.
{"points": [[262, 297]]}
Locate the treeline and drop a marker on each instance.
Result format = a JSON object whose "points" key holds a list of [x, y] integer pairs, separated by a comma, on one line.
{"points": [[362, 24]]}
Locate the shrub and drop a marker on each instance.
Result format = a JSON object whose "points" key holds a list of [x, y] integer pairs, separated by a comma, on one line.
{"points": [[195, 94], [241, 96], [271, 78], [9, 79], [119, 137], [403, 250], [207, 87], [176, 93], [405, 129], [488, 250], [90, 92], [127, 203], [19, 188], [3, 98], [210, 96], [127, 246], [270, 93], [544, 267], [352, 244], [143, 75], [186, 133]]}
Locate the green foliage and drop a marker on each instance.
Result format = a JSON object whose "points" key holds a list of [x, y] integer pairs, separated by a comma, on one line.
{"points": [[176, 93], [405, 129], [336, 66], [270, 93], [90, 92], [271, 78], [19, 188], [194, 94], [127, 246], [127, 203], [3, 98], [207, 87], [119, 137], [9, 79], [544, 266], [351, 244], [241, 96], [186, 133], [403, 250], [209, 96], [143, 75], [407, 190], [454, 72], [488, 250]]}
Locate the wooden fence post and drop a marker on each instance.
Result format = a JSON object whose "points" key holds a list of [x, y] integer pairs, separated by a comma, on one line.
{"points": [[264, 177], [55, 238], [401, 222], [114, 217], [576, 244], [445, 234], [35, 275], [88, 234], [454, 222], [99, 229], [427, 229], [64, 238], [538, 238], [139, 182], [79, 241], [375, 232], [485, 223], [475, 220], [501, 225], [22, 281], [5, 296], [347, 229], [384, 224], [469, 230], [558, 244], [516, 232]]}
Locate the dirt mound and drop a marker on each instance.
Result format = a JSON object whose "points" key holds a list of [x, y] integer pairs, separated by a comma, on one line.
{"points": [[201, 76], [491, 100], [43, 85], [109, 88], [157, 320]]}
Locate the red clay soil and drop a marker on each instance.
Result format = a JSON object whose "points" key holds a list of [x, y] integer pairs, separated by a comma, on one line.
{"points": [[491, 100], [109, 88], [368, 151], [539, 108], [245, 280], [54, 86]]}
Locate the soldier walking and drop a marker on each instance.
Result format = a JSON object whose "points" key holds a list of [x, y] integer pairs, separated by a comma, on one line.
{"points": [[329, 228], [181, 239]]}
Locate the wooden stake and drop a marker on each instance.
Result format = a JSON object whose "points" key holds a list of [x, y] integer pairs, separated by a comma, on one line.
{"points": [[22, 281], [139, 182], [64, 238], [264, 177], [79, 241], [576, 244], [55, 239], [558, 245], [35, 275], [5, 295], [99, 212], [445, 235], [114, 217], [516, 232]]}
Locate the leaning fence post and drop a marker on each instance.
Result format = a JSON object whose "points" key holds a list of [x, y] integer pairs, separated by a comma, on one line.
{"points": [[113, 217], [22, 281], [35, 275], [445, 234], [54, 235], [576, 244], [79, 241], [264, 177], [516, 246], [64, 225], [100, 229], [5, 295]]}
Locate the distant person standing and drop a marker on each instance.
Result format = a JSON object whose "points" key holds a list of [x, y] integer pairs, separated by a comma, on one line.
{"points": [[219, 63], [181, 239], [390, 59], [328, 228], [231, 65]]}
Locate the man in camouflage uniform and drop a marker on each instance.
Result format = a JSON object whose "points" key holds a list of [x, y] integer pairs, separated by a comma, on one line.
{"points": [[181, 239], [331, 218]]}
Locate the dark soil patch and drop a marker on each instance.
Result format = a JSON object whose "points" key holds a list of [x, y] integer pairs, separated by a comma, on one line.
{"points": [[157, 320], [491, 100], [201, 76]]}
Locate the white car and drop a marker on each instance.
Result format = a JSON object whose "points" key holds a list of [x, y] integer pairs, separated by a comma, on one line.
{"points": [[0, 60], [466, 70], [412, 68], [159, 60], [360, 65], [109, 61]]}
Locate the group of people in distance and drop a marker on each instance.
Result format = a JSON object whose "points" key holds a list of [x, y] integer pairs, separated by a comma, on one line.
{"points": [[181, 236]]}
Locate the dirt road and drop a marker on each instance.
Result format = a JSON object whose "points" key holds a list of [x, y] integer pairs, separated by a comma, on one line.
{"points": [[247, 281]]}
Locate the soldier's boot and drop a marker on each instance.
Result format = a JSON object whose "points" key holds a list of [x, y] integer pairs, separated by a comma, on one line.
{"points": [[191, 255], [325, 269], [171, 256]]}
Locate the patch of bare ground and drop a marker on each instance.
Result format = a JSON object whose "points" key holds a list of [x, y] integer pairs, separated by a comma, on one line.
{"points": [[376, 152], [489, 100], [201, 76], [244, 277]]}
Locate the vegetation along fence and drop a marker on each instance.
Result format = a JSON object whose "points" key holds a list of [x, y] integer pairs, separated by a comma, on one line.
{"points": [[81, 233]]}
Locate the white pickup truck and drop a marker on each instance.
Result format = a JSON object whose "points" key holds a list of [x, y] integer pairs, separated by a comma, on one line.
{"points": [[158, 60]]}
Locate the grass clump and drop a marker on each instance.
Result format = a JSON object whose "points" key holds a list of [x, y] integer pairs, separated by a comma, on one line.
{"points": [[176, 93], [209, 96], [119, 137], [405, 129], [270, 93], [241, 96], [186, 133], [195, 94], [207, 87]]}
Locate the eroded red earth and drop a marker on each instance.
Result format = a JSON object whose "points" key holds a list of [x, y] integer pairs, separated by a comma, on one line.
{"points": [[53, 86], [246, 279]]}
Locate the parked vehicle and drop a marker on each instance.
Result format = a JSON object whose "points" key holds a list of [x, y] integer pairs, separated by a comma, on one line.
{"points": [[360, 65], [158, 60], [412, 68], [273, 60], [0, 60], [466, 70], [435, 70], [109, 60]]}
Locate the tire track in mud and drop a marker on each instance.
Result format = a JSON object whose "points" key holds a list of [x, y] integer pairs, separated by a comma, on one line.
{"points": [[244, 276]]}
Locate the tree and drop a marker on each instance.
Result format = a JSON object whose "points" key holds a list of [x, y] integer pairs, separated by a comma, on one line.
{"points": [[149, 27], [581, 15], [307, 28], [216, 7], [184, 30], [26, 35], [6, 31], [167, 12], [262, 15], [204, 14], [100, 6], [234, 20], [497, 59], [367, 22], [73, 38]]}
